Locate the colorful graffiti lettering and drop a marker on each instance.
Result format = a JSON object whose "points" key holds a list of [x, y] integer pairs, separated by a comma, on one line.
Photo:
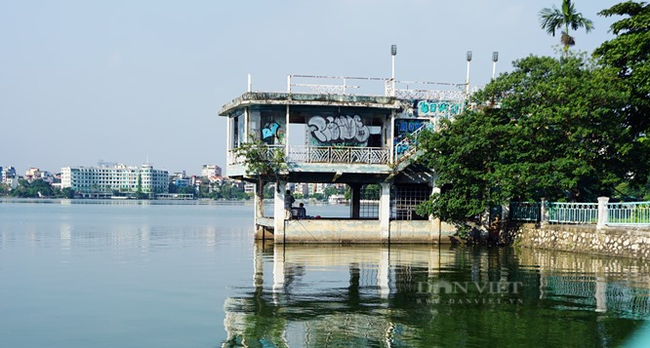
{"points": [[438, 108], [347, 129], [401, 148], [403, 130], [270, 132], [408, 126]]}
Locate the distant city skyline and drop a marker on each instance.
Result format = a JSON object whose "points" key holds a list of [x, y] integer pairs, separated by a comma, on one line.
{"points": [[136, 82]]}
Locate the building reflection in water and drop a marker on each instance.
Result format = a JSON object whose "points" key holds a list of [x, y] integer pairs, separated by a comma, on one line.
{"points": [[398, 296]]}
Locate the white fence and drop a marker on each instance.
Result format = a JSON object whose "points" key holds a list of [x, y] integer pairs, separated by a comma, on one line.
{"points": [[602, 213]]}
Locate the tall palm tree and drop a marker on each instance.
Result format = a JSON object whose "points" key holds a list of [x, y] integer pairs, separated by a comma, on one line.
{"points": [[567, 18]]}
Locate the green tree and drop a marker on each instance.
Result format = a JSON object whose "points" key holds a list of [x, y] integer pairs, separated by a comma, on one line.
{"points": [[557, 133], [567, 18], [67, 192], [263, 163], [35, 189], [329, 191], [629, 54], [4, 189]]}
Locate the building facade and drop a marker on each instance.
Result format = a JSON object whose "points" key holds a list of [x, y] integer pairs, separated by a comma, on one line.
{"points": [[336, 134], [210, 170], [105, 180]]}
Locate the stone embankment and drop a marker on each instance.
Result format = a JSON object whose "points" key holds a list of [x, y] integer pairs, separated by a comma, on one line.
{"points": [[615, 241]]}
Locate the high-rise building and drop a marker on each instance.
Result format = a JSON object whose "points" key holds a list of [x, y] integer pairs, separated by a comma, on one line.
{"points": [[87, 180], [210, 170]]}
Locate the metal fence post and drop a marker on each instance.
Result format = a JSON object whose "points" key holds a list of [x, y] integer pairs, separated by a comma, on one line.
{"points": [[603, 213]]}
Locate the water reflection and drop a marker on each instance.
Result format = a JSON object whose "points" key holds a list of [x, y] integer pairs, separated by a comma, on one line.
{"points": [[407, 296]]}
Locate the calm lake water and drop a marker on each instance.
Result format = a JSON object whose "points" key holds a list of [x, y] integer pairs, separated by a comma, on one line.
{"points": [[150, 274]]}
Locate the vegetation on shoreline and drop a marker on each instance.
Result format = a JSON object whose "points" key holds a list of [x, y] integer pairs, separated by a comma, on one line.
{"points": [[571, 128]]}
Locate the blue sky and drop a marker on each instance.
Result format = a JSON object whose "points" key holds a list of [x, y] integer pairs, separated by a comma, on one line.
{"points": [[130, 80]]}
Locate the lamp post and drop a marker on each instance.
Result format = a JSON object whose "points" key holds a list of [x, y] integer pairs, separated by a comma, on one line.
{"points": [[495, 58], [469, 60], [393, 53]]}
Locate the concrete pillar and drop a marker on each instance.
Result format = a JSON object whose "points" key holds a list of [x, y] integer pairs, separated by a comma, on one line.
{"points": [[603, 213], [355, 201], [543, 213], [435, 221], [384, 211], [278, 211], [258, 210]]}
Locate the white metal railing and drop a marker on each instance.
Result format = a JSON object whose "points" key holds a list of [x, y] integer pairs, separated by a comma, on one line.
{"points": [[573, 213], [324, 154], [408, 146], [629, 213], [329, 154], [375, 86]]}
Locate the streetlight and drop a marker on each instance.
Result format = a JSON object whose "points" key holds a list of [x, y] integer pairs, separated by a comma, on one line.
{"points": [[393, 53], [469, 60], [495, 58]]}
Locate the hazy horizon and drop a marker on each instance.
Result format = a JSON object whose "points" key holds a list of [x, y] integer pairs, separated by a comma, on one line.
{"points": [[131, 82]]}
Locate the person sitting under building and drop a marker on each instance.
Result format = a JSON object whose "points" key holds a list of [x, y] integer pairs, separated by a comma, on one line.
{"points": [[300, 212]]}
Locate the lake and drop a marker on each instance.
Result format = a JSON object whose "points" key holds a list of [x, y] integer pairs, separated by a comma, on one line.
{"points": [[86, 273]]}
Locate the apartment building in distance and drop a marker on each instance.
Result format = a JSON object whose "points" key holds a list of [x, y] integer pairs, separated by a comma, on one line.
{"points": [[105, 181], [8, 176]]}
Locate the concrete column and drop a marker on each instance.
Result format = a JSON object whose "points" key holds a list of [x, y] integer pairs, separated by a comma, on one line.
{"points": [[259, 202], [258, 210], [355, 201], [278, 211], [229, 136], [436, 231], [384, 211], [543, 213], [603, 213], [391, 141], [246, 124]]}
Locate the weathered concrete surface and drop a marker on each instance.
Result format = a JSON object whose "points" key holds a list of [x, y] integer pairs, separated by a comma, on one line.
{"points": [[330, 231], [620, 241], [343, 100], [419, 231], [343, 231]]}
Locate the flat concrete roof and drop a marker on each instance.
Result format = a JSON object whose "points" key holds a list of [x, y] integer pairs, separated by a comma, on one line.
{"points": [[308, 99]]}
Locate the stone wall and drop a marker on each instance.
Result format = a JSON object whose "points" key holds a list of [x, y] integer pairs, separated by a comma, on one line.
{"points": [[613, 241]]}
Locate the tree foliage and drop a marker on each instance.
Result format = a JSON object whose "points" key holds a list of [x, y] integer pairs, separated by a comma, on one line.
{"points": [[553, 128], [629, 54], [262, 161], [567, 18]]}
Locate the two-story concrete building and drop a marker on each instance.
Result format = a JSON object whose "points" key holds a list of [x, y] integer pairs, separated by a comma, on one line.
{"points": [[332, 131]]}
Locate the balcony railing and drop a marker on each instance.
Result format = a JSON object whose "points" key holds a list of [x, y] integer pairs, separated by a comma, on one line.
{"points": [[326, 154], [329, 154]]}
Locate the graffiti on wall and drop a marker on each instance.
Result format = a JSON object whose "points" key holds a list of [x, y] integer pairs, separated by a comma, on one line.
{"points": [[404, 128], [432, 108], [346, 130], [272, 132]]}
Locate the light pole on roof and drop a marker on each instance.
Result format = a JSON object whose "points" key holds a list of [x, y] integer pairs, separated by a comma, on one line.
{"points": [[469, 61], [495, 58], [393, 53]]}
